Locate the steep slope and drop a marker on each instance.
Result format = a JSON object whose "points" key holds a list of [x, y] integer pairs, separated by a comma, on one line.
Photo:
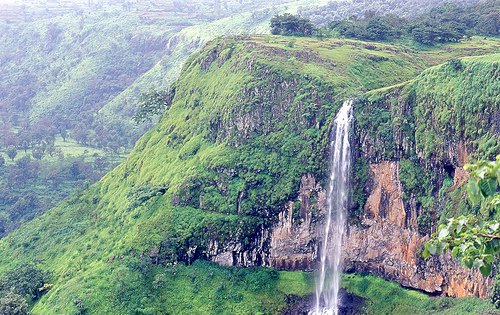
{"points": [[234, 167]]}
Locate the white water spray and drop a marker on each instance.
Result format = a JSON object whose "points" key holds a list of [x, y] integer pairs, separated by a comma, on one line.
{"points": [[327, 288]]}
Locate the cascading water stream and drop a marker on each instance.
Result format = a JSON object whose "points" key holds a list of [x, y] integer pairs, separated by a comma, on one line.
{"points": [[327, 288]]}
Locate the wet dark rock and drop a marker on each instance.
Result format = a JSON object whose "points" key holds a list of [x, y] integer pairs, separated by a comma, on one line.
{"points": [[350, 304]]}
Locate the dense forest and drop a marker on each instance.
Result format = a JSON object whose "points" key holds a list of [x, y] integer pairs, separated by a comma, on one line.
{"points": [[340, 10], [446, 23]]}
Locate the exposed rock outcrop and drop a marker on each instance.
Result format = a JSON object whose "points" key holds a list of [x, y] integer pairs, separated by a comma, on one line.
{"points": [[387, 243], [294, 243]]}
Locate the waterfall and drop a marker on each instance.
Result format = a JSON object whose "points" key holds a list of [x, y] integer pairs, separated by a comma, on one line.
{"points": [[328, 285]]}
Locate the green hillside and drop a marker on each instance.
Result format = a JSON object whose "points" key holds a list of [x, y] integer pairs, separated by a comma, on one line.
{"points": [[250, 115], [72, 82]]}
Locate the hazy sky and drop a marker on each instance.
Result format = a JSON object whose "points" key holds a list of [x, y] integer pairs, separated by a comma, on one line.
{"points": [[24, 1]]}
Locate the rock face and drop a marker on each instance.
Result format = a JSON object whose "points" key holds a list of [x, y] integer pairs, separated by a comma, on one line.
{"points": [[294, 243], [387, 243], [291, 244]]}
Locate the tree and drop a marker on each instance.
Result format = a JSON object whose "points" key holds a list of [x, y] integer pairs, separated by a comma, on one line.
{"points": [[12, 152], [475, 241], [37, 153], [291, 25], [64, 134], [443, 24], [348, 28], [371, 27], [489, 23], [13, 304], [379, 29], [80, 133], [153, 103], [23, 207], [101, 164], [24, 280]]}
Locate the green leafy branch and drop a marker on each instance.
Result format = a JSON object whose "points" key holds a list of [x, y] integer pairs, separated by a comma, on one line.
{"points": [[474, 241], [483, 185]]}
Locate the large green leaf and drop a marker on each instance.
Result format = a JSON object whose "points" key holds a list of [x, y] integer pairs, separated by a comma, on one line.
{"points": [[474, 192], [432, 249], [443, 234], [488, 186], [485, 270]]}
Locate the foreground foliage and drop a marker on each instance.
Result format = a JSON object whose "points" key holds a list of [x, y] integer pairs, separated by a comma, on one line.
{"points": [[475, 241]]}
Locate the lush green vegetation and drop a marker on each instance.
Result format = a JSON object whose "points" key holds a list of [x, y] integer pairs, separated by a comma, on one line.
{"points": [[82, 73], [211, 289], [198, 176], [345, 9], [31, 183], [53, 104], [442, 24], [20, 285], [73, 90], [447, 23], [131, 286], [421, 118], [291, 25], [68, 70], [248, 117], [445, 106], [418, 185]]}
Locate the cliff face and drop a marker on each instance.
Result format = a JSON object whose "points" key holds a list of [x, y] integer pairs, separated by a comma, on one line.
{"points": [[406, 190], [389, 244], [295, 238], [415, 139]]}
